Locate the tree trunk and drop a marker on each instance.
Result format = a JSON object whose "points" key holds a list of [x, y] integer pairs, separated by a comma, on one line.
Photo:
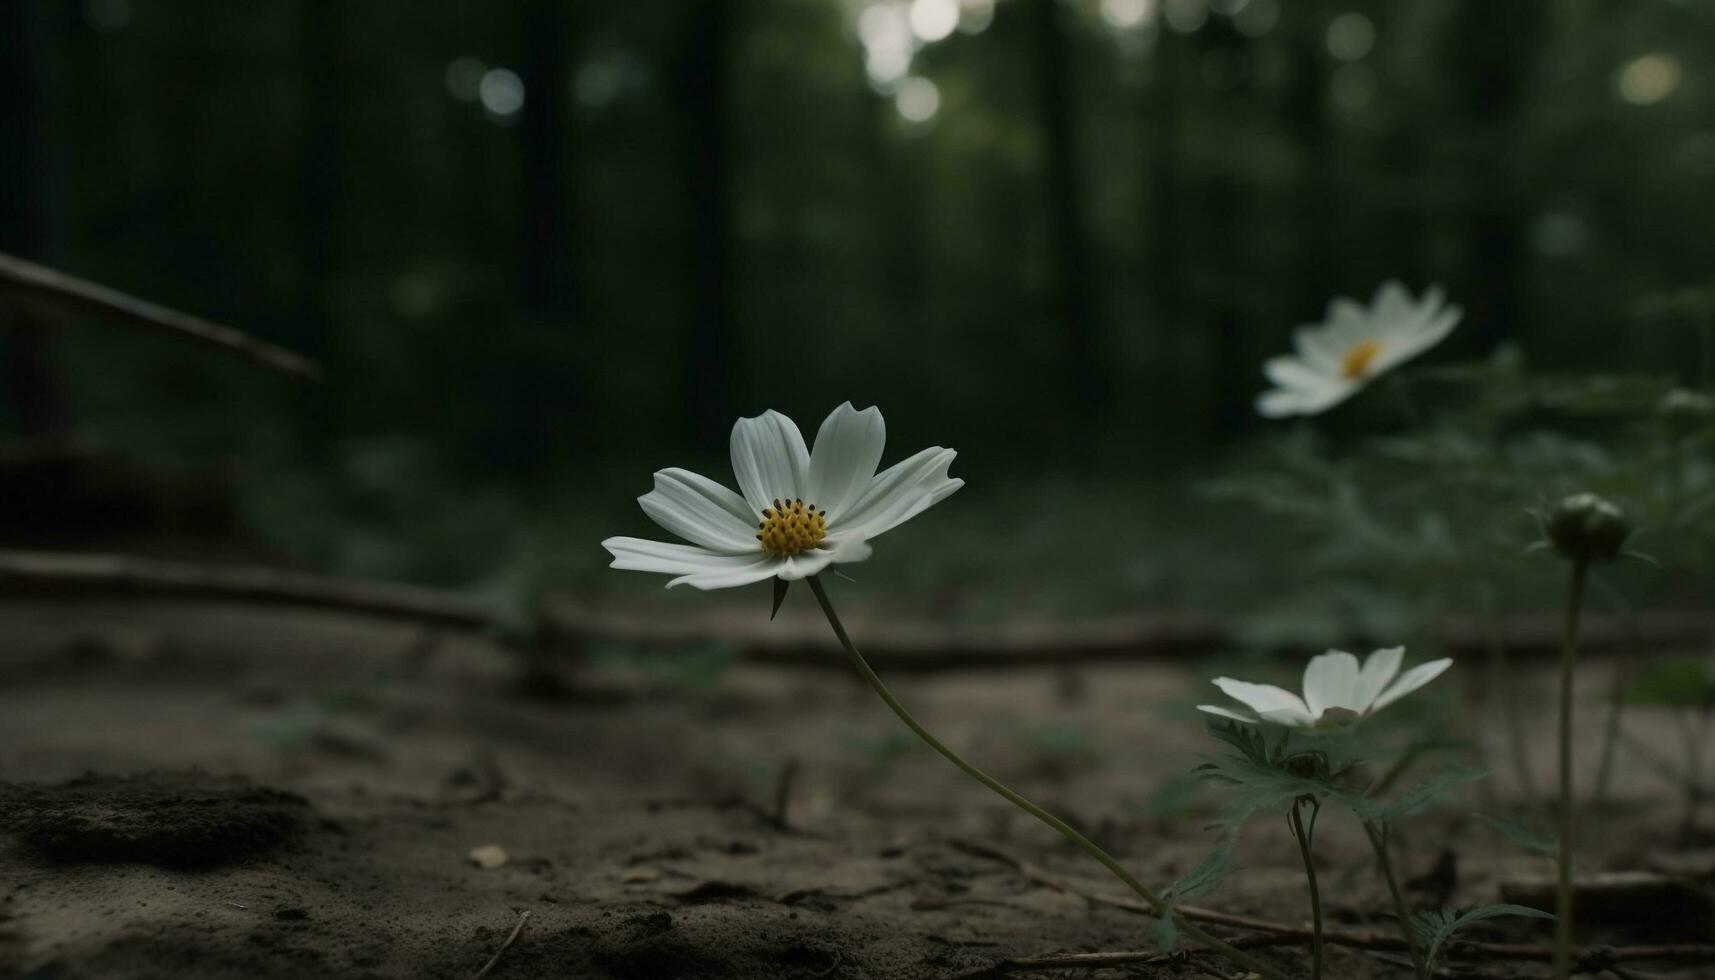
{"points": [[1073, 256], [548, 262], [704, 93], [1492, 50], [33, 395]]}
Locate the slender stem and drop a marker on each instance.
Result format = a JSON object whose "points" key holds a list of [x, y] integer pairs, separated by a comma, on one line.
{"points": [[1065, 830], [1378, 840], [1568, 663], [1305, 835]]}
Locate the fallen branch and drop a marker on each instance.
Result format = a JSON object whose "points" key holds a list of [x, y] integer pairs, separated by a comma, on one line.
{"points": [[1591, 959], [894, 646], [523, 917], [59, 574], [41, 286], [1096, 961]]}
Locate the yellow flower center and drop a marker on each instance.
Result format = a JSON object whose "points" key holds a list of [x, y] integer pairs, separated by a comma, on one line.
{"points": [[791, 528], [1357, 360]]}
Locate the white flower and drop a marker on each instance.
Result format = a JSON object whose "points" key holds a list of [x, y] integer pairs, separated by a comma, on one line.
{"points": [[800, 511], [1336, 358], [1336, 692]]}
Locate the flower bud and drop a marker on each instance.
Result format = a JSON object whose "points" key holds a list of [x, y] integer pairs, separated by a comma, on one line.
{"points": [[1585, 527]]}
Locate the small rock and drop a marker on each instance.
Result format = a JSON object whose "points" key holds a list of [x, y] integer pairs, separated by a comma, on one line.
{"points": [[488, 856]]}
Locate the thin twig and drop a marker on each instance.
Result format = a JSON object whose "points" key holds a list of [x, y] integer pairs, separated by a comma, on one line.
{"points": [[1096, 961], [41, 286], [523, 917]]}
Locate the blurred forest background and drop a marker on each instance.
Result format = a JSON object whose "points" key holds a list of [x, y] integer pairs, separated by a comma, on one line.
{"points": [[542, 248]]}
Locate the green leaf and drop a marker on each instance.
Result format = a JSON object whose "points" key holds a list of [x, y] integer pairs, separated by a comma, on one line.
{"points": [[1530, 839], [1419, 796], [1163, 933], [1434, 928], [1204, 878], [780, 587]]}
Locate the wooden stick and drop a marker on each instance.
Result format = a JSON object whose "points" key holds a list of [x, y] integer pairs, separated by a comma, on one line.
{"points": [[523, 917], [42, 286]]}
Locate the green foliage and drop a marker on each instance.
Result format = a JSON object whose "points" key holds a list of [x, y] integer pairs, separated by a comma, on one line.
{"points": [[1272, 767], [1199, 881], [1203, 879], [1675, 683], [1414, 800], [1434, 928], [1530, 838]]}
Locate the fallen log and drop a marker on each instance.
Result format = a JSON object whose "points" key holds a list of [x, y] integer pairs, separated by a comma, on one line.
{"points": [[899, 646]]}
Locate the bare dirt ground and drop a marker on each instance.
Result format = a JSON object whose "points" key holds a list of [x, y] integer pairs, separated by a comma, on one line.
{"points": [[215, 791]]}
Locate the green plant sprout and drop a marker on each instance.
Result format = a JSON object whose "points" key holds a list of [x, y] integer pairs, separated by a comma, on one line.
{"points": [[1296, 753]]}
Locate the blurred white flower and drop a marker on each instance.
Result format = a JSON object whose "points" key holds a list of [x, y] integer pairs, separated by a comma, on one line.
{"points": [[1354, 344], [800, 511], [1337, 693]]}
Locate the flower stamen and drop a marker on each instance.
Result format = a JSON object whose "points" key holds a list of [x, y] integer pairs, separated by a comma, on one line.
{"points": [[1357, 359], [791, 528]]}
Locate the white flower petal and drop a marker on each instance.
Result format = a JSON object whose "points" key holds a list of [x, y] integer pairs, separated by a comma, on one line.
{"points": [[848, 547], [1317, 349], [843, 461], [1392, 304], [1290, 717], [1329, 681], [769, 459], [1290, 372], [806, 564], [643, 555], [1411, 680], [1264, 699], [899, 493], [1379, 669], [754, 569], [1216, 709], [701, 511]]}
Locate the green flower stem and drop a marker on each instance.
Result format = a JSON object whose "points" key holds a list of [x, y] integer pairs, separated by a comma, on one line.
{"points": [[1378, 840], [1306, 834], [1065, 830], [1568, 665]]}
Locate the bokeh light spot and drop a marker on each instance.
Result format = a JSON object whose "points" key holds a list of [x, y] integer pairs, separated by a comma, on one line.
{"points": [[917, 100], [933, 20], [502, 92], [1350, 36], [1649, 79]]}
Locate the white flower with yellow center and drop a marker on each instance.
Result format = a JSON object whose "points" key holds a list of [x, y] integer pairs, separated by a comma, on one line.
{"points": [[800, 511], [1337, 692], [1353, 345]]}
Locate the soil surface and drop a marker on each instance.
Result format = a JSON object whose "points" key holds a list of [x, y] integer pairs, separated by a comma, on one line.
{"points": [[209, 791]]}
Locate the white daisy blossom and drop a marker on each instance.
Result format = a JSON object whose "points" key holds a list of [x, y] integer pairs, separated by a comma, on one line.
{"points": [[1354, 344], [1337, 692], [798, 511]]}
